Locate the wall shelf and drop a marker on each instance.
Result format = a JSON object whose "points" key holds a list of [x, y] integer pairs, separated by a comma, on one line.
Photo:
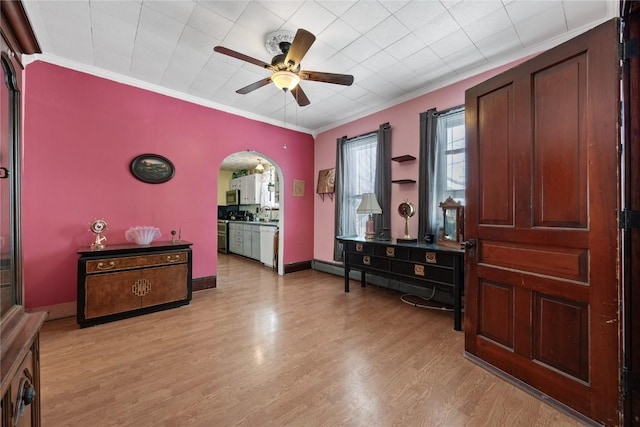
{"points": [[403, 181], [405, 158]]}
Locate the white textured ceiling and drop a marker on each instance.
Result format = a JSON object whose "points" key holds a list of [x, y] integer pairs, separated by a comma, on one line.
{"points": [[396, 50]]}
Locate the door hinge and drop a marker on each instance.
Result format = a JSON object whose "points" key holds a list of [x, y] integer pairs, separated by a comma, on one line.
{"points": [[629, 219], [630, 381], [628, 49]]}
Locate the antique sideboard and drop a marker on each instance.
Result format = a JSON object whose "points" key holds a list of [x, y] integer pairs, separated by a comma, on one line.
{"points": [[128, 280], [420, 264]]}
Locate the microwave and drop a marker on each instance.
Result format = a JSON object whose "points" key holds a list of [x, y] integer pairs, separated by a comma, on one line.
{"points": [[233, 197]]}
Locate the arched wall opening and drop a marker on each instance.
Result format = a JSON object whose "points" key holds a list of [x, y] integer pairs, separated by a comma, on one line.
{"points": [[258, 213]]}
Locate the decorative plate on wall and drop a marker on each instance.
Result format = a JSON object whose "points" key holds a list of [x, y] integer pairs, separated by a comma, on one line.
{"points": [[152, 168]]}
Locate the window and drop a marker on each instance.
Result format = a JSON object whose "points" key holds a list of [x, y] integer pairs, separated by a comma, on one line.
{"points": [[442, 165], [452, 138], [359, 175], [449, 163], [363, 165]]}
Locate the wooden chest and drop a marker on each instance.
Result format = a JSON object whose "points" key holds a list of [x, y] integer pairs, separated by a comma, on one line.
{"points": [[129, 280]]}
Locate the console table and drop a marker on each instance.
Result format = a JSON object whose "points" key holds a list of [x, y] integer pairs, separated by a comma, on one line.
{"points": [[128, 280], [420, 264]]}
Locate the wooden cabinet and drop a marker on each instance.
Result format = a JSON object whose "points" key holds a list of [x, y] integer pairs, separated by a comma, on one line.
{"points": [[128, 280], [20, 369], [19, 330], [420, 264]]}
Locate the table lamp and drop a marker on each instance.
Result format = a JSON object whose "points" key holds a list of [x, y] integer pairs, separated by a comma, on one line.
{"points": [[370, 206]]}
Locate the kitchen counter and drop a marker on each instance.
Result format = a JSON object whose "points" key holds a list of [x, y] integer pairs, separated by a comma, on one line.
{"points": [[266, 223]]}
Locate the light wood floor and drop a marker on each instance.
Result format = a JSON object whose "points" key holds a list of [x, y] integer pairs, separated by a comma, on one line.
{"points": [[267, 350]]}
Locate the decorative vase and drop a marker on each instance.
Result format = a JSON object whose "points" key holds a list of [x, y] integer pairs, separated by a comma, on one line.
{"points": [[142, 234]]}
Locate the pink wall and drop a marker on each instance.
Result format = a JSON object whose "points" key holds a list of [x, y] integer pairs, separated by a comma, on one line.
{"points": [[405, 134], [81, 133]]}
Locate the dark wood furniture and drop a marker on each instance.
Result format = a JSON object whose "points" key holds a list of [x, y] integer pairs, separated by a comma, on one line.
{"points": [[19, 330], [122, 281], [421, 264]]}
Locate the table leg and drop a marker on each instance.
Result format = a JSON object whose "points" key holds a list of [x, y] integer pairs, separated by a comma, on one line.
{"points": [[346, 278], [458, 283]]}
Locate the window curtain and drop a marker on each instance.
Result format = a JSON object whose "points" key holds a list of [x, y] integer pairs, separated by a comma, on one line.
{"points": [[338, 191], [434, 126], [363, 165], [382, 187], [428, 121]]}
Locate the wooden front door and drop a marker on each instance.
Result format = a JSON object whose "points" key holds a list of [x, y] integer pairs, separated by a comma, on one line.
{"points": [[542, 291]]}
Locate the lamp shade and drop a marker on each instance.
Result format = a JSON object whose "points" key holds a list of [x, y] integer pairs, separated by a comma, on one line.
{"points": [[369, 205], [285, 80]]}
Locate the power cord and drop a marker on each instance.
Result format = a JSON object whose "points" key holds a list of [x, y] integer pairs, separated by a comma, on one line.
{"points": [[404, 299]]}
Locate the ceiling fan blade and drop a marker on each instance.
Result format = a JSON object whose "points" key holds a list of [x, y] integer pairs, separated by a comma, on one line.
{"points": [[253, 86], [299, 47], [241, 56], [300, 96], [317, 76]]}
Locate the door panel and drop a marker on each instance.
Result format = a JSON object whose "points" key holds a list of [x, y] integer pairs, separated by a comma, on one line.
{"points": [[496, 172], [496, 313], [560, 334], [559, 179], [542, 291]]}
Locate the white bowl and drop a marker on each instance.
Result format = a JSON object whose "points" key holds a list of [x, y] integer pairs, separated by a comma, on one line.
{"points": [[142, 234]]}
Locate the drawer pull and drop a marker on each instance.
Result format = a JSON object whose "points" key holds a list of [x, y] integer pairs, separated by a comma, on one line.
{"points": [[141, 287], [418, 270], [366, 260], [430, 257], [102, 266], [359, 247], [175, 258], [391, 251]]}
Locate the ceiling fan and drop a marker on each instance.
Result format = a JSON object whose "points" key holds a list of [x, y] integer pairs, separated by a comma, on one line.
{"points": [[286, 68]]}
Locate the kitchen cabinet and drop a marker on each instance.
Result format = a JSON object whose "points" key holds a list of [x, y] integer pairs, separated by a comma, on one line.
{"points": [[235, 184], [127, 280], [255, 242], [250, 188], [245, 239], [236, 242]]}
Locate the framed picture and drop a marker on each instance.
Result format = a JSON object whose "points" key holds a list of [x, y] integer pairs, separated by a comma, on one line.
{"points": [[152, 168], [298, 188], [326, 181]]}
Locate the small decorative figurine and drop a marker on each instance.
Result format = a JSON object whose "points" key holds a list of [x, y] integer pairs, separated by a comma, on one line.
{"points": [[98, 227]]}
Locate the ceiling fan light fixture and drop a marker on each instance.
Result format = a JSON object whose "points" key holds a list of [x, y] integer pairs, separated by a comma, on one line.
{"points": [[259, 166], [285, 80]]}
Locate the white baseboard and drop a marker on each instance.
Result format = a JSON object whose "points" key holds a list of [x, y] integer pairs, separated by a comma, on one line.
{"points": [[57, 311]]}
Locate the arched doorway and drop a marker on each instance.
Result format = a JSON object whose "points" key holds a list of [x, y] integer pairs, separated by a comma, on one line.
{"points": [[249, 189]]}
